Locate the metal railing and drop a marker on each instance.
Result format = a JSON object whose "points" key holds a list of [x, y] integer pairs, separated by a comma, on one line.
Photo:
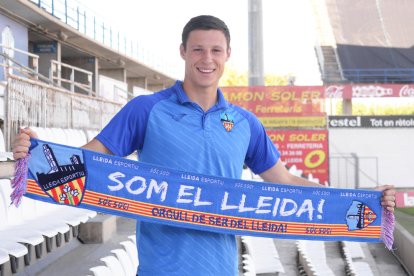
{"points": [[320, 57], [338, 62], [84, 20], [328, 73], [384, 75], [32, 103], [55, 75], [351, 171], [12, 65]]}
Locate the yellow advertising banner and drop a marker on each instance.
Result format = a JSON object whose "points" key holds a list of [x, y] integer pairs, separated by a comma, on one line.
{"points": [[294, 121]]}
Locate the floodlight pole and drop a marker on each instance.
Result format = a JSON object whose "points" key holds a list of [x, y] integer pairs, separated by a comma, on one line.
{"points": [[256, 71]]}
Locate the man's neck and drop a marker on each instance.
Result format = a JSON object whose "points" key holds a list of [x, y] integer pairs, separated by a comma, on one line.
{"points": [[204, 97]]}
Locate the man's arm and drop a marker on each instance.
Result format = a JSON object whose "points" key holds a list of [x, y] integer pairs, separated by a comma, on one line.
{"points": [[97, 146], [280, 175]]}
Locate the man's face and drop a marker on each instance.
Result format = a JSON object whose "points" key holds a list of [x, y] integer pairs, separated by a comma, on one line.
{"points": [[205, 56]]}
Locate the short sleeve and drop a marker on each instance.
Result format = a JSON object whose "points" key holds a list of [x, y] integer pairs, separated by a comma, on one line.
{"points": [[261, 154], [125, 133]]}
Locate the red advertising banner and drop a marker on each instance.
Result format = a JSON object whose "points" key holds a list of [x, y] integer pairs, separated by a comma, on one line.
{"points": [[306, 94], [304, 106], [306, 149], [373, 90], [277, 100], [404, 199], [282, 106]]}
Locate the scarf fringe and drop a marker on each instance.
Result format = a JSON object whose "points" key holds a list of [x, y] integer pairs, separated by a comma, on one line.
{"points": [[387, 229], [19, 182]]}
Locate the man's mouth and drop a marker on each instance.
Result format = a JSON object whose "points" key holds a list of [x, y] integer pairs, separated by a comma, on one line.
{"points": [[205, 70]]}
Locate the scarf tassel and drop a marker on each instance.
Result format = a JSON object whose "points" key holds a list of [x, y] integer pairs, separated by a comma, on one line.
{"points": [[19, 182], [387, 229]]}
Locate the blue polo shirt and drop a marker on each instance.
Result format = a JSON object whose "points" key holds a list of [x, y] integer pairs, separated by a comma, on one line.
{"points": [[167, 129]]}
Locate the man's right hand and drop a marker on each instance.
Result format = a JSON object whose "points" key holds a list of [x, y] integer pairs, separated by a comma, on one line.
{"points": [[21, 143]]}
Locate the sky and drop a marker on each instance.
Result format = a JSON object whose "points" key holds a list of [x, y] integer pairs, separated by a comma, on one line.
{"points": [[288, 33]]}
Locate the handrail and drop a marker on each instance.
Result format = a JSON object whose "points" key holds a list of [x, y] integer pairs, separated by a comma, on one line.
{"points": [[34, 103], [56, 66], [126, 92], [35, 59], [384, 75], [320, 57], [338, 61], [20, 51]]}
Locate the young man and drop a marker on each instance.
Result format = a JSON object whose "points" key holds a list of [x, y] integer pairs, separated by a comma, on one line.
{"points": [[191, 127]]}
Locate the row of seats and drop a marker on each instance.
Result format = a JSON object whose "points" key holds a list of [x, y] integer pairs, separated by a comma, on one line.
{"points": [[260, 256], [312, 257], [34, 229], [123, 261], [354, 258]]}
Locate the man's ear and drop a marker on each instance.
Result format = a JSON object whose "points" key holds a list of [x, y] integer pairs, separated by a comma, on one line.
{"points": [[228, 53], [182, 51]]}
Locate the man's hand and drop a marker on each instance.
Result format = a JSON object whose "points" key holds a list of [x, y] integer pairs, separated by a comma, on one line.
{"points": [[388, 196], [21, 143]]}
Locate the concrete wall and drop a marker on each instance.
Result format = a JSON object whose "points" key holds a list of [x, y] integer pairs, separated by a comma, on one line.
{"points": [[404, 244], [392, 148], [117, 74], [112, 89]]}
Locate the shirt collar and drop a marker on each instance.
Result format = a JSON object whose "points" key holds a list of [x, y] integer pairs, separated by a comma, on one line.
{"points": [[183, 98]]}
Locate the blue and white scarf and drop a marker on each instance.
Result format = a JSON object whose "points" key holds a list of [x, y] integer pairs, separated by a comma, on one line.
{"points": [[84, 179]]}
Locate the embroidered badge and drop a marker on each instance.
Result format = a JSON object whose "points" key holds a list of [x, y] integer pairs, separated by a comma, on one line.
{"points": [[64, 183], [359, 216], [227, 121]]}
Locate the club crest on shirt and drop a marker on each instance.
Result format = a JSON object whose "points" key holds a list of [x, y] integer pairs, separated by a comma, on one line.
{"points": [[359, 216], [64, 183], [227, 121]]}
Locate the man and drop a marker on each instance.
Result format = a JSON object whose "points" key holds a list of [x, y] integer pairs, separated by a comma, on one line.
{"points": [[191, 127]]}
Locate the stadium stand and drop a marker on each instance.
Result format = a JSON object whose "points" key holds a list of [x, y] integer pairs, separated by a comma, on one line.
{"points": [[353, 250], [123, 261], [354, 257], [261, 256], [132, 252], [376, 52], [113, 264], [312, 256], [28, 233], [101, 271]]}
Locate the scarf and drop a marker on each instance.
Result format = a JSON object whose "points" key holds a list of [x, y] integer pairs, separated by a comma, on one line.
{"points": [[104, 183]]}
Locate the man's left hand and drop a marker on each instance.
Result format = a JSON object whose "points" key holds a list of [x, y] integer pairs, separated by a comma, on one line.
{"points": [[388, 196]]}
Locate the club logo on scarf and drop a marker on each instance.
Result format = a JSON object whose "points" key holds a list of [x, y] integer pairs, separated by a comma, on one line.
{"points": [[64, 183], [359, 216], [227, 121]]}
